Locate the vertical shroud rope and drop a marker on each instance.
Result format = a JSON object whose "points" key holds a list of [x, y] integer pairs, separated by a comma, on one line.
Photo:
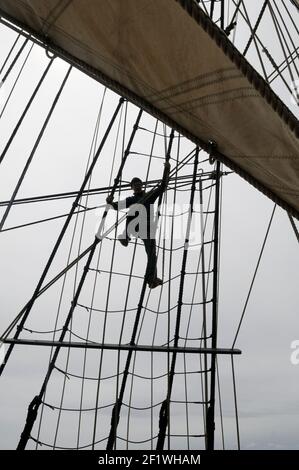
{"points": [[36, 402], [24, 113], [117, 407], [32, 153], [164, 410], [61, 235], [210, 420]]}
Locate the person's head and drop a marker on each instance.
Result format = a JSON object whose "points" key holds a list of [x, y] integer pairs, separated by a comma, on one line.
{"points": [[136, 185]]}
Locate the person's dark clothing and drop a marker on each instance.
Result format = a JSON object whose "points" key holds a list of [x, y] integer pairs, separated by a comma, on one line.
{"points": [[146, 199], [151, 267]]}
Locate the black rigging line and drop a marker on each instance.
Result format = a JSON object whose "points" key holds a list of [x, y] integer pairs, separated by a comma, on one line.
{"points": [[40, 291], [16, 80], [7, 146], [140, 331], [254, 30], [10, 52], [39, 332], [282, 39], [212, 8], [204, 294], [254, 39], [236, 12], [290, 16], [98, 261], [40, 443], [264, 50], [283, 65], [124, 159], [254, 275], [37, 400], [109, 405], [97, 191], [91, 153], [235, 402], [197, 273], [117, 407], [61, 235], [222, 6], [211, 408], [48, 219], [134, 374], [129, 281], [287, 32], [36, 144], [294, 227], [220, 406], [169, 291], [14, 60], [164, 411]]}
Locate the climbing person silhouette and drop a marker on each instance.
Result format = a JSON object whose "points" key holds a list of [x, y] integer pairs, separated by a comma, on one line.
{"points": [[140, 221]]}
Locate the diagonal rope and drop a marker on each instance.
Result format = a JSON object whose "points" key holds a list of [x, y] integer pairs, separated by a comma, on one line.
{"points": [[254, 276], [30, 304], [117, 407], [36, 144], [24, 113], [164, 411]]}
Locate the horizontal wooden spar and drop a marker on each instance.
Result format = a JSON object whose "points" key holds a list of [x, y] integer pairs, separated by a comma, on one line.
{"points": [[122, 347]]}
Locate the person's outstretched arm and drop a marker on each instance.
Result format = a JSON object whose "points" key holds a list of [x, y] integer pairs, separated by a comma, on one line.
{"points": [[109, 200], [124, 204], [163, 185]]}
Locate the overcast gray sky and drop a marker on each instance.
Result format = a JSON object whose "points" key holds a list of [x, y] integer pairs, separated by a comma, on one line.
{"points": [[267, 382]]}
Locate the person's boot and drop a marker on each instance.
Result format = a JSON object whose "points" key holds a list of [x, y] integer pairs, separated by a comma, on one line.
{"points": [[155, 283], [123, 240]]}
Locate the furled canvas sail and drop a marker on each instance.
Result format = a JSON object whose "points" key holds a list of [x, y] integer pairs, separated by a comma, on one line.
{"points": [[170, 58]]}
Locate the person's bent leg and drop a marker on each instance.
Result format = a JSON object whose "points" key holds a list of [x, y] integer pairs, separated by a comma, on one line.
{"points": [[124, 237], [151, 268]]}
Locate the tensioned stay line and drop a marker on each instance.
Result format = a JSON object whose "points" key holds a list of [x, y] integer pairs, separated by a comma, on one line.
{"points": [[30, 304], [24, 113], [164, 411], [254, 276], [102, 190], [36, 402], [117, 407], [36, 144], [39, 291]]}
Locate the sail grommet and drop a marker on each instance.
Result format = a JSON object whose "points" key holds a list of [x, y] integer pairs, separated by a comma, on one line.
{"points": [[50, 54]]}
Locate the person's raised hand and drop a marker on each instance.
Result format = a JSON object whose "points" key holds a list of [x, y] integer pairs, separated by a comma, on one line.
{"points": [[109, 199]]}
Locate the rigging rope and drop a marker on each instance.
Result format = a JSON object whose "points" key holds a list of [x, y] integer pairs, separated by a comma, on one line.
{"points": [[164, 411], [36, 144], [10, 52], [24, 113], [34, 406], [16, 80], [294, 226], [14, 60], [61, 235], [235, 402], [254, 275], [117, 407]]}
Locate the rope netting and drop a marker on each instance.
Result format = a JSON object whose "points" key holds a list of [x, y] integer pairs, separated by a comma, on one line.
{"points": [[97, 398]]}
